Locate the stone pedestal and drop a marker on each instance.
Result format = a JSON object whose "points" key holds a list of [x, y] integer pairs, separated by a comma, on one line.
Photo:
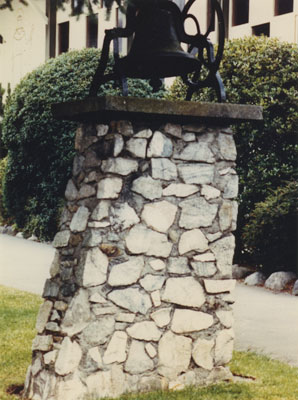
{"points": [[140, 292]]}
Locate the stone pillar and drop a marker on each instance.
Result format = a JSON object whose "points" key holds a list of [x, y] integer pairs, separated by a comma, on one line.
{"points": [[140, 292]]}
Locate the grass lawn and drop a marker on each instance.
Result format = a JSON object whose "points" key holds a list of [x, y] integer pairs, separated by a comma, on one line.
{"points": [[18, 310]]}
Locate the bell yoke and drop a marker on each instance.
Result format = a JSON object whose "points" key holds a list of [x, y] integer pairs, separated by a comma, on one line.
{"points": [[157, 29]]}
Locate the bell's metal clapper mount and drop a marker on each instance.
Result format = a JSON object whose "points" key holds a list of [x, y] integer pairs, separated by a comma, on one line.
{"points": [[157, 29]]}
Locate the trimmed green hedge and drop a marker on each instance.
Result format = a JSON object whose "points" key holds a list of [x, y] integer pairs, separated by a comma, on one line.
{"points": [[40, 149], [271, 232], [260, 71]]}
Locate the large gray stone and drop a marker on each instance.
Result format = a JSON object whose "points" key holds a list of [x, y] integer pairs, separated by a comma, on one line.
{"points": [[279, 280], [137, 147], [224, 347], [204, 269], [71, 192], [101, 211], [200, 174], [132, 299], [69, 357], [160, 215], [174, 355], [160, 146], [126, 273], [196, 152], [223, 250], [94, 268], [123, 217], [80, 219], [202, 353], [192, 240], [162, 168], [145, 330], [180, 190], [214, 286], [78, 314], [231, 187], [119, 165], [109, 188], [162, 317], [42, 343], [186, 321], [185, 291], [141, 240], [138, 361], [178, 265], [227, 147], [86, 191], [147, 187], [107, 383], [61, 239], [210, 192], [116, 350], [226, 215], [197, 213], [118, 144], [225, 317], [255, 279], [152, 282], [99, 331], [43, 315]]}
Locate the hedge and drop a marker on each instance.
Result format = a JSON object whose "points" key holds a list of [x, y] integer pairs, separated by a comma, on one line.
{"points": [[40, 149], [260, 71]]}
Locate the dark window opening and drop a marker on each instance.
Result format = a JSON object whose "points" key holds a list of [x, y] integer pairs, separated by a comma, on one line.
{"points": [[210, 16], [63, 30], [283, 7], [260, 30], [92, 30], [1, 39], [240, 12]]}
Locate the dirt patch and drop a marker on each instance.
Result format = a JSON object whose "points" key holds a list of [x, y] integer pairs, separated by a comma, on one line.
{"points": [[16, 390]]}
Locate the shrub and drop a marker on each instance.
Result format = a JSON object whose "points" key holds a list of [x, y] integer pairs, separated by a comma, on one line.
{"points": [[40, 149], [270, 234], [3, 213], [260, 71]]}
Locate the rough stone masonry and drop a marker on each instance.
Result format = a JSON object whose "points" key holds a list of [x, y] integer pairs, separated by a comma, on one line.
{"points": [[140, 292]]}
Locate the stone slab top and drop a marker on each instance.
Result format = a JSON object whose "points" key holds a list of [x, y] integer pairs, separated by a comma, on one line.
{"points": [[107, 108]]}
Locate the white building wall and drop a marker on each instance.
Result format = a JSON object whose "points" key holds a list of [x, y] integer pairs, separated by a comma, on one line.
{"points": [[23, 31], [23, 47]]}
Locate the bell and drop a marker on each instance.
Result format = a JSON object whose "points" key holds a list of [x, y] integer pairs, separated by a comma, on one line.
{"points": [[155, 51]]}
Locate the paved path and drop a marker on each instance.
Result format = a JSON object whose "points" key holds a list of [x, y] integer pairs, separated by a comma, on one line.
{"points": [[265, 322], [24, 264]]}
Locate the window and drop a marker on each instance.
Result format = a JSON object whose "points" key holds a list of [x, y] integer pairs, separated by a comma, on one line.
{"points": [[283, 6], [240, 12], [260, 30], [210, 16], [92, 30], [63, 30]]}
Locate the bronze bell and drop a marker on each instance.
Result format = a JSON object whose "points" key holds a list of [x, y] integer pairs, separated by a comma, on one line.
{"points": [[155, 51], [157, 29]]}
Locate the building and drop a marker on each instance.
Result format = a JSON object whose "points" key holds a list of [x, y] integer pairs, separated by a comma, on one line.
{"points": [[30, 34]]}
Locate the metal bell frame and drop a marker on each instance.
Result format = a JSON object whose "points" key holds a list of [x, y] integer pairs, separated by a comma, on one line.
{"points": [[199, 46]]}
